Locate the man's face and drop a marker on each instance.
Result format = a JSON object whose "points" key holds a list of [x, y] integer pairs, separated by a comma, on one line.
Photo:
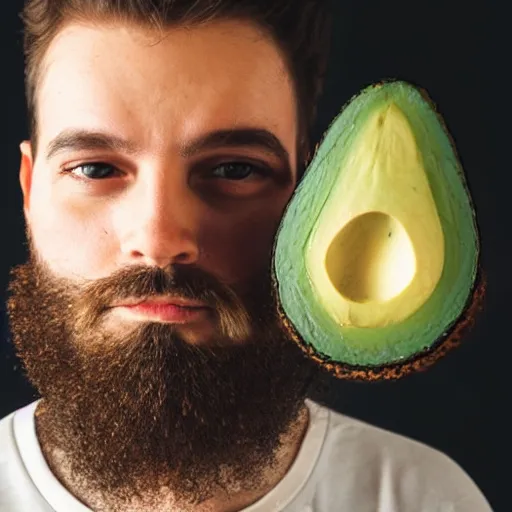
{"points": [[94, 209], [135, 195]]}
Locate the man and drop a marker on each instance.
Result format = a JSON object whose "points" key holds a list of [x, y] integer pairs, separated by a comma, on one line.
{"points": [[166, 140]]}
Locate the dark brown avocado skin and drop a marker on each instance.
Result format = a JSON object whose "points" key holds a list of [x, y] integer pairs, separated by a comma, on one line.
{"points": [[421, 361]]}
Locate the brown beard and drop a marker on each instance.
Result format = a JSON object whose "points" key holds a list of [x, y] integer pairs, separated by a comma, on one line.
{"points": [[137, 410]]}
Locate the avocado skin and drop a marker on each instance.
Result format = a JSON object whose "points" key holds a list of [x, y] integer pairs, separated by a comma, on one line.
{"points": [[421, 360]]}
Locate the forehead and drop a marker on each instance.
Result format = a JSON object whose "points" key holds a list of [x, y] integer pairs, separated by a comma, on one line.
{"points": [[160, 86]]}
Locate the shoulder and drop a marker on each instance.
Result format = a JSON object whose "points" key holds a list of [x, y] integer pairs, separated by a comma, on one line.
{"points": [[15, 427], [6, 437], [17, 490], [402, 474], [10, 456], [10, 463]]}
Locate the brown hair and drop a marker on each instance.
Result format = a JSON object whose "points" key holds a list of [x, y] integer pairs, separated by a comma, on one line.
{"points": [[301, 28]]}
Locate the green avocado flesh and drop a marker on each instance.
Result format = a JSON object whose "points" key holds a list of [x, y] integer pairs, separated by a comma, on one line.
{"points": [[377, 252]]}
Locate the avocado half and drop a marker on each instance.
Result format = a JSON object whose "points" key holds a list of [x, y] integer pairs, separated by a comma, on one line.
{"points": [[376, 261]]}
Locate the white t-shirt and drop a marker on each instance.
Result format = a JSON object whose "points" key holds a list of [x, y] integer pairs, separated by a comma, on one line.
{"points": [[343, 465]]}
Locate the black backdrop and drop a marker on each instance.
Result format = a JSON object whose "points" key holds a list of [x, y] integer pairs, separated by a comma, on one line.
{"points": [[447, 48]]}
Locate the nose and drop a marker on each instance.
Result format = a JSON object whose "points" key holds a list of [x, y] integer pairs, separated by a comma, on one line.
{"points": [[159, 223]]}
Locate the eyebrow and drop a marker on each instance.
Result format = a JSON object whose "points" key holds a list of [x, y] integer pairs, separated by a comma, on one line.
{"points": [[83, 140]]}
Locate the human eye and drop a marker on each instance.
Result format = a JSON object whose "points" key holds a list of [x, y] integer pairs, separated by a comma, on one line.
{"points": [[240, 171], [231, 177], [92, 171]]}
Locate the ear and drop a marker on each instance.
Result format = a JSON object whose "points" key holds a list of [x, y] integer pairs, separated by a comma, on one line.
{"points": [[26, 170]]}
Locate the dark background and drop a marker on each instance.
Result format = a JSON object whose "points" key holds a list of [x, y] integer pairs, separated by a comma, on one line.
{"points": [[459, 405]]}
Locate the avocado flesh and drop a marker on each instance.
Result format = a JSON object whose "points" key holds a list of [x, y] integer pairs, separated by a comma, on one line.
{"points": [[377, 252]]}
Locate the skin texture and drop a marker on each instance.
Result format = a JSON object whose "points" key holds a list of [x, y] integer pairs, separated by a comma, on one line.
{"points": [[140, 413]]}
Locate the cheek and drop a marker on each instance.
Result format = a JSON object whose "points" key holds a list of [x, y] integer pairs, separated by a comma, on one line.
{"points": [[70, 241], [237, 251]]}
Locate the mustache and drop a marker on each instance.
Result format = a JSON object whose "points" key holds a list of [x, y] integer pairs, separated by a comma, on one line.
{"points": [[94, 298]]}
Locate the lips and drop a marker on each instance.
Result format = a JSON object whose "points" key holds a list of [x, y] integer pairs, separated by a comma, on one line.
{"points": [[164, 309], [158, 302]]}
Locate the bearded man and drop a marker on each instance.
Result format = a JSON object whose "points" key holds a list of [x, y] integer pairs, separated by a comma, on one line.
{"points": [[167, 138]]}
